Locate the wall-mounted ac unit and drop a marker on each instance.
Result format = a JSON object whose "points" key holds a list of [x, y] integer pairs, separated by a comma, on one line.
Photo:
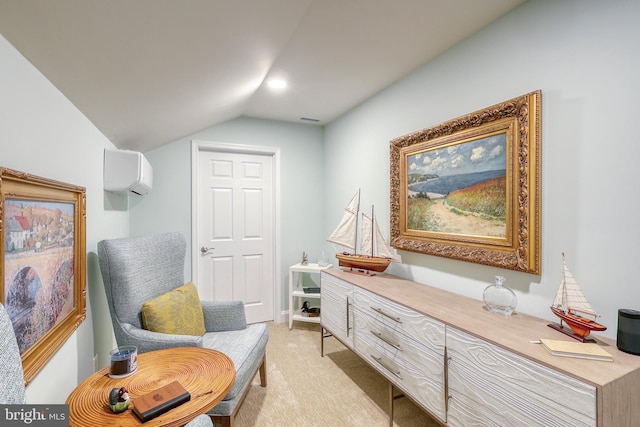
{"points": [[127, 171]]}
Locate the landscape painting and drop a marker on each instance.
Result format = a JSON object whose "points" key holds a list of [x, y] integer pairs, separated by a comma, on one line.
{"points": [[42, 263], [459, 189], [470, 188], [38, 266]]}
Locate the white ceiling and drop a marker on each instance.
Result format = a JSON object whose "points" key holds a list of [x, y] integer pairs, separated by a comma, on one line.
{"points": [[148, 72]]}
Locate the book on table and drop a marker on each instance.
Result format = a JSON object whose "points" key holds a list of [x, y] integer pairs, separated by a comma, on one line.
{"points": [[576, 349], [160, 401]]}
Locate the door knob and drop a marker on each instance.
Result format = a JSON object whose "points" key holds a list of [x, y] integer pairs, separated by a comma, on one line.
{"points": [[205, 249]]}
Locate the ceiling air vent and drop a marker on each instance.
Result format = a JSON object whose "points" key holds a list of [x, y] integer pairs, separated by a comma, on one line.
{"points": [[309, 119]]}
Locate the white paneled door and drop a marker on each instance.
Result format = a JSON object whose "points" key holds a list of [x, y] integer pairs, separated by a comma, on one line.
{"points": [[235, 228]]}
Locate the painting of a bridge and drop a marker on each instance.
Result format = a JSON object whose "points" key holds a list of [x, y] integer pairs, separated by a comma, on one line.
{"points": [[43, 263], [38, 266]]}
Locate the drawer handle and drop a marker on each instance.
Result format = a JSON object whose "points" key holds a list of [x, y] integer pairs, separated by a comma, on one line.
{"points": [[385, 339], [381, 311], [387, 367], [447, 396], [348, 326]]}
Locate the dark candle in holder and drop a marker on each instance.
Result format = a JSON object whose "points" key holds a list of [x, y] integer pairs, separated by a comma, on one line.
{"points": [[124, 361]]}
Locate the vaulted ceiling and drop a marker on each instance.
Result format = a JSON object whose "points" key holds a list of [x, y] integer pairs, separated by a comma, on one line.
{"points": [[148, 72]]}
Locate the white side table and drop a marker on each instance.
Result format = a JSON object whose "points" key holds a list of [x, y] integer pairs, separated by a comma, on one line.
{"points": [[296, 292]]}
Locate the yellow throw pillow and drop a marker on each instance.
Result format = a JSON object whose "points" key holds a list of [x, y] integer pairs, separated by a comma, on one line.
{"points": [[176, 312]]}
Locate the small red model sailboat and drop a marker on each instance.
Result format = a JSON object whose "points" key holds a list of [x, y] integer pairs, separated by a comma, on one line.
{"points": [[570, 305]]}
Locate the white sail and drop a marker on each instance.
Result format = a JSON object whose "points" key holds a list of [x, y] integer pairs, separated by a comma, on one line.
{"points": [[383, 248], [369, 228], [569, 295], [366, 242], [560, 301], [346, 232]]}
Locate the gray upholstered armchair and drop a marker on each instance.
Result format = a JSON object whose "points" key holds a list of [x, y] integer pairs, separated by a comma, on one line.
{"points": [[136, 270]]}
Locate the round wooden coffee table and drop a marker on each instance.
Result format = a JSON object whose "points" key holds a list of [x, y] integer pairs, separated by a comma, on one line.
{"points": [[206, 374]]}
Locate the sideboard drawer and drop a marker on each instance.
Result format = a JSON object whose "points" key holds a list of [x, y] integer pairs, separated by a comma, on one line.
{"points": [[489, 385], [402, 320], [407, 347], [414, 369], [427, 359]]}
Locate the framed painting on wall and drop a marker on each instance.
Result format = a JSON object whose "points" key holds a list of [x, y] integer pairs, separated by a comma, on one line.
{"points": [[469, 189], [43, 263]]}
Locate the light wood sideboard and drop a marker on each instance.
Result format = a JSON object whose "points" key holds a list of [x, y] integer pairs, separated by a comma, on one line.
{"points": [[467, 366]]}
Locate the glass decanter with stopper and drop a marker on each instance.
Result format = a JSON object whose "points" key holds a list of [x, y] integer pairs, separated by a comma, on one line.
{"points": [[500, 299]]}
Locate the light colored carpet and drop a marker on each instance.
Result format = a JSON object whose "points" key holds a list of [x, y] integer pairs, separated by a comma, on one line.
{"points": [[305, 389]]}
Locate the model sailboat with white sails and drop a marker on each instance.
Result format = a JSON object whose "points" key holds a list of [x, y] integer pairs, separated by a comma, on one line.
{"points": [[375, 253], [570, 305]]}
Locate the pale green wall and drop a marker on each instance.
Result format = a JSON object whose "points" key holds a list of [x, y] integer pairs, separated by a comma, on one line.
{"points": [[42, 133], [168, 206], [583, 55]]}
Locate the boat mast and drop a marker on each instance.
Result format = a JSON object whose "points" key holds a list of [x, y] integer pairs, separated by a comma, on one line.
{"points": [[355, 235], [373, 232]]}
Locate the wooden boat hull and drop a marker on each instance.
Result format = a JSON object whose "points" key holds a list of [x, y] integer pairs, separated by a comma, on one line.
{"points": [[580, 326], [363, 262]]}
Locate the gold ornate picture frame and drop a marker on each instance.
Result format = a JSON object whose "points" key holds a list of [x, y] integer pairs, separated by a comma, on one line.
{"points": [[43, 263], [470, 188]]}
